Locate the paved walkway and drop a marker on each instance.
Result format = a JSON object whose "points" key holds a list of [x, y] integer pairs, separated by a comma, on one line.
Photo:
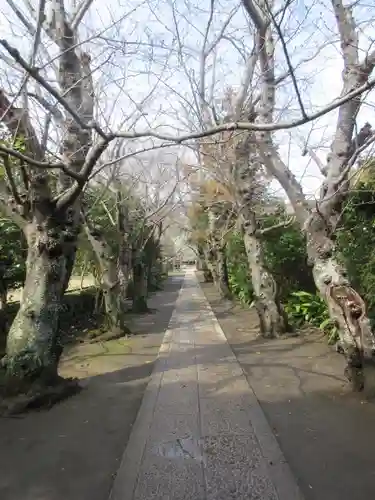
{"points": [[200, 433]]}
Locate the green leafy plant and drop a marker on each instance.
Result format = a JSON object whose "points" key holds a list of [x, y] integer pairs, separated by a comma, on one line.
{"points": [[12, 254], [241, 287], [238, 274], [304, 307], [356, 237], [285, 254]]}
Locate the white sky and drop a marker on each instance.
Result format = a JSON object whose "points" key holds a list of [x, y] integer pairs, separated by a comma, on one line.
{"points": [[137, 56]]}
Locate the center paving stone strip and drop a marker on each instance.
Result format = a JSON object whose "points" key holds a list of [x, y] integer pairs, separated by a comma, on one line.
{"points": [[200, 433]]}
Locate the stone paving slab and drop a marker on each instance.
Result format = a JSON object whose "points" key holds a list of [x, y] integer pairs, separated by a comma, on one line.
{"points": [[200, 433]]}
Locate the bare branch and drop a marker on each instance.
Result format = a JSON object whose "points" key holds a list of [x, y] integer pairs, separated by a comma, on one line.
{"points": [[255, 13], [21, 17], [82, 8], [18, 122], [315, 157], [34, 72], [247, 79], [39, 24], [68, 197], [284, 223], [348, 35], [287, 57], [51, 108], [11, 180]]}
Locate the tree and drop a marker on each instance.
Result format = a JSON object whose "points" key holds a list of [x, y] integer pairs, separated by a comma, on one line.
{"points": [[108, 233], [48, 207], [54, 164], [249, 194], [346, 306], [211, 218], [230, 157], [43, 188]]}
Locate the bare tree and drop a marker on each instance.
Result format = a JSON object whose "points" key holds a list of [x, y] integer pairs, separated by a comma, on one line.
{"points": [[63, 84], [48, 206], [230, 157], [50, 220], [346, 307], [112, 250]]}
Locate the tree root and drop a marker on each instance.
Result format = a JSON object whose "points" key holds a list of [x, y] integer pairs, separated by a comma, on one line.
{"points": [[355, 376], [38, 396]]}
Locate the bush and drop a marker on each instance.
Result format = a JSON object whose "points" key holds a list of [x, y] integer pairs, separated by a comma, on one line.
{"points": [[356, 242], [304, 307], [13, 250], [286, 257], [238, 269]]}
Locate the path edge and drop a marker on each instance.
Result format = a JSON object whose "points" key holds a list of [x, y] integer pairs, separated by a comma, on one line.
{"points": [[282, 477], [125, 481]]}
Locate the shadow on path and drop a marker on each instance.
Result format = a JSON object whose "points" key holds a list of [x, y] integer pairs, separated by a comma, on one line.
{"points": [[325, 431], [73, 450]]}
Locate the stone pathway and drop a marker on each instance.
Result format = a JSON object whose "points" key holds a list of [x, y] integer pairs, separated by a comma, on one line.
{"points": [[200, 433]]}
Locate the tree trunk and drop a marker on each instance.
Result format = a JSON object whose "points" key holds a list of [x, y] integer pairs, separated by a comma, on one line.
{"points": [[110, 284], [215, 253], [3, 294], [33, 346], [152, 273], [139, 287], [217, 265], [70, 265], [124, 268], [346, 307], [272, 318], [222, 273], [125, 251], [202, 266], [150, 267]]}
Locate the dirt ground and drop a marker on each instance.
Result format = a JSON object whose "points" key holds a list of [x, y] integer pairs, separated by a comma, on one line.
{"points": [[72, 451], [326, 433]]}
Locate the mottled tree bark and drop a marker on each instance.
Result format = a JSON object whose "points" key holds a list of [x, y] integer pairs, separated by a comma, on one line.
{"points": [[33, 344], [125, 252], [222, 272], [215, 250], [140, 291], [345, 305], [51, 220], [3, 308], [203, 266], [250, 191], [216, 263], [272, 318], [114, 297], [3, 295]]}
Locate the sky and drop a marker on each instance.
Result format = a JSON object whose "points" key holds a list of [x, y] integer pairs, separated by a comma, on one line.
{"points": [[142, 80]]}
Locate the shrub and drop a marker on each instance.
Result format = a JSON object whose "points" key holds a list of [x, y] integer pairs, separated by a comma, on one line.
{"points": [[286, 257], [238, 269], [12, 254], [356, 242], [304, 307]]}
